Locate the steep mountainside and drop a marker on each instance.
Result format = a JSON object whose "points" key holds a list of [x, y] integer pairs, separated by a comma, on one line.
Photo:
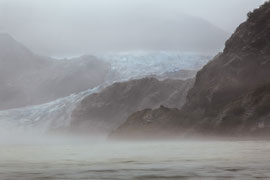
{"points": [[230, 93], [28, 79], [243, 66], [108, 109]]}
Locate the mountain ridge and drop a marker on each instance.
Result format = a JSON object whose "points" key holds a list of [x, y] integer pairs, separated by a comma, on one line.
{"points": [[238, 75], [29, 79]]}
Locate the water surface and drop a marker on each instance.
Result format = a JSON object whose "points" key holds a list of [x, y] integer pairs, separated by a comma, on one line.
{"points": [[155, 160]]}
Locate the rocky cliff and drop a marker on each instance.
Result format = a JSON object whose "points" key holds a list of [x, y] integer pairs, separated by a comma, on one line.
{"points": [[105, 111], [231, 93]]}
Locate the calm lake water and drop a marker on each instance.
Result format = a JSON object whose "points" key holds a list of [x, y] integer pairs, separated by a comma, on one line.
{"points": [[156, 160]]}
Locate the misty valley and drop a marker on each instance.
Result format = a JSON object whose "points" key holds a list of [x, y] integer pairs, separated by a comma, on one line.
{"points": [[162, 101]]}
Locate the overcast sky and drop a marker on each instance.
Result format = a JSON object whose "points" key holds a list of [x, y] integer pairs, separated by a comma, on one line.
{"points": [[66, 27]]}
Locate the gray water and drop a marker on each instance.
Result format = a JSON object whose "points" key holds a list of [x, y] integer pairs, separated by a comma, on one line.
{"points": [[155, 160]]}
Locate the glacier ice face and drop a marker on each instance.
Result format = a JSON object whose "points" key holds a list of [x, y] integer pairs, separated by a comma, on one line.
{"points": [[138, 64], [124, 66]]}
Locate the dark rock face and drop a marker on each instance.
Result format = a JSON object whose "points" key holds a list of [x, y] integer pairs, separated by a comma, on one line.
{"points": [[231, 93], [248, 115], [108, 109], [27, 78], [242, 67]]}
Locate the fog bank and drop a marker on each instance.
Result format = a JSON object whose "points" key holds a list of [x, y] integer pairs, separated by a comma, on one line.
{"points": [[77, 27]]}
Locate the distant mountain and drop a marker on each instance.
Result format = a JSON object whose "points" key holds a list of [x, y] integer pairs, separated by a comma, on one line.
{"points": [[27, 78], [104, 111], [184, 33], [230, 95], [158, 31], [16, 59]]}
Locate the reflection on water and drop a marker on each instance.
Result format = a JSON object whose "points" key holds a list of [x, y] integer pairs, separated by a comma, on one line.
{"points": [[156, 160]]}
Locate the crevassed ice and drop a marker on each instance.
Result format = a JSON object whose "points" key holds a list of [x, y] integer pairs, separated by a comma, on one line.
{"points": [[133, 64]]}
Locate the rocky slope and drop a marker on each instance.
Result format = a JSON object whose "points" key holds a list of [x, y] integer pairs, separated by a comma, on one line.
{"points": [[231, 93], [180, 74], [160, 123], [248, 115], [105, 111], [27, 78]]}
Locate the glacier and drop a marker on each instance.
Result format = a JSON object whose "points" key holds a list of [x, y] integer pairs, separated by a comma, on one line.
{"points": [[124, 66], [141, 63]]}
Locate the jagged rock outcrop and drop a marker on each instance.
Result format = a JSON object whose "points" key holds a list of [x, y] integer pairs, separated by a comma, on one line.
{"points": [[231, 93], [243, 66], [105, 111], [27, 78]]}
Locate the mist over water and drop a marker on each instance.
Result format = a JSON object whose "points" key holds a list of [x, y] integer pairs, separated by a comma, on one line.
{"points": [[42, 92], [209, 160]]}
